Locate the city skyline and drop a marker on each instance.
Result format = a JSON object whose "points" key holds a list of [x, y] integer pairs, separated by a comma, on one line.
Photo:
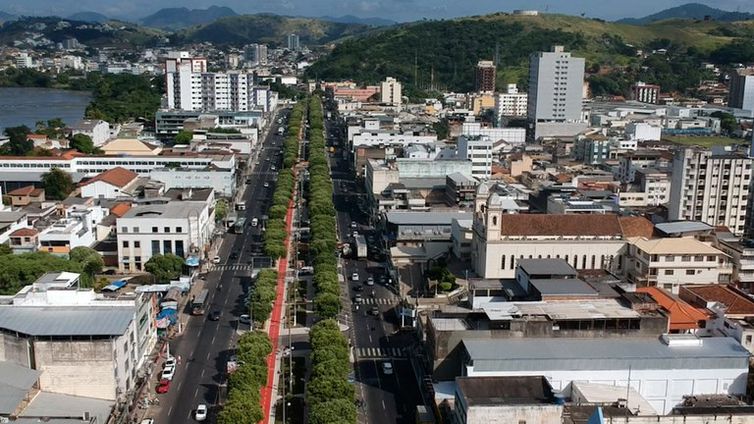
{"points": [[396, 10]]}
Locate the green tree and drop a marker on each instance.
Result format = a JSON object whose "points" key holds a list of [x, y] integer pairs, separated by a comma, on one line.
{"points": [[18, 143], [58, 184], [333, 411], [83, 143], [728, 122], [165, 267], [221, 209], [184, 137], [5, 249], [90, 260], [324, 388], [17, 271], [240, 408]]}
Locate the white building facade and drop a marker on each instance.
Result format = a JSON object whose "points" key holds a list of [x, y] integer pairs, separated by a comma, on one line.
{"points": [[478, 149]]}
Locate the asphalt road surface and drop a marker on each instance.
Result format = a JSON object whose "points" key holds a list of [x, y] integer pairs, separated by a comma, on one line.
{"points": [[204, 346]]}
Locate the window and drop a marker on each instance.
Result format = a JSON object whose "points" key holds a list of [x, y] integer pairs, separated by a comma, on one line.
{"points": [[155, 247], [123, 229], [668, 272], [135, 229], [178, 229], [669, 258], [690, 272], [748, 339], [685, 258], [154, 229], [698, 258], [166, 229], [167, 246], [125, 244], [710, 258], [179, 248], [137, 244]]}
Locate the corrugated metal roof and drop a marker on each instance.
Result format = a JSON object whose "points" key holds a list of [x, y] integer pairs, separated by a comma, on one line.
{"points": [[599, 354], [682, 227], [15, 383], [66, 321], [546, 266]]}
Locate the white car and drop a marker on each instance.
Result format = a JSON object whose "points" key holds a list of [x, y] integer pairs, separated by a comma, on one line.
{"points": [[147, 421], [355, 276], [201, 412], [370, 281], [216, 260], [266, 184], [170, 362], [244, 319], [168, 373], [387, 368]]}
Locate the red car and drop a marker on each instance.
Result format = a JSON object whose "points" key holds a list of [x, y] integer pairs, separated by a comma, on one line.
{"points": [[163, 387]]}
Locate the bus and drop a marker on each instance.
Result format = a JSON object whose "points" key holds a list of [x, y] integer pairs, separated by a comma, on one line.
{"points": [[238, 227], [199, 302]]}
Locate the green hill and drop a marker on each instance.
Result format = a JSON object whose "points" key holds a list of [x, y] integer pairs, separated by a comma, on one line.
{"points": [[270, 29], [443, 54], [106, 34]]}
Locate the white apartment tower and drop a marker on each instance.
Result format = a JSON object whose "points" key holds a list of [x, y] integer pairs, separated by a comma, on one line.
{"points": [[478, 149], [511, 103], [556, 82], [390, 91], [256, 54], [710, 186], [741, 95], [190, 87]]}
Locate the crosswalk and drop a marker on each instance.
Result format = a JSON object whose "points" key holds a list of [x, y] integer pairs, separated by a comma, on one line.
{"points": [[380, 352], [377, 301], [236, 267]]}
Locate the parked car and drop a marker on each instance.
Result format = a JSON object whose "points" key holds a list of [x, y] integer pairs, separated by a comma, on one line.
{"points": [[201, 412], [355, 276], [147, 421], [266, 184], [168, 373], [215, 315], [170, 362], [387, 367], [163, 387], [244, 319]]}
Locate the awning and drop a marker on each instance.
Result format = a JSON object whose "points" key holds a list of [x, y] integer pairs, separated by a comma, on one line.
{"points": [[116, 285], [192, 261]]}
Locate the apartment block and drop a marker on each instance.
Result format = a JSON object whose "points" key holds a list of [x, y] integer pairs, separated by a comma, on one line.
{"points": [[669, 263], [712, 187], [485, 76], [741, 95], [511, 103], [183, 228], [479, 150], [556, 82], [646, 93], [390, 91]]}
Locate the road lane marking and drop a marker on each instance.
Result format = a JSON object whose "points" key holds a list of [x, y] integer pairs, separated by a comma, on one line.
{"points": [[203, 370], [196, 392], [383, 404], [170, 411], [208, 353], [213, 338]]}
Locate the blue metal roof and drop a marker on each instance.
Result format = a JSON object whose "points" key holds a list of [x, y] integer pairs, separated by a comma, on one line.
{"points": [[115, 285]]}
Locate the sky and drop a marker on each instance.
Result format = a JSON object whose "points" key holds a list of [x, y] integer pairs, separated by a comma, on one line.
{"points": [[397, 10]]}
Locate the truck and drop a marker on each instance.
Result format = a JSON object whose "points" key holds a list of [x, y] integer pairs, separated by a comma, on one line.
{"points": [[360, 246]]}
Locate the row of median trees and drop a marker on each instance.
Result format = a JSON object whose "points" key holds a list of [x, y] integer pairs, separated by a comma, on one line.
{"points": [[243, 403], [329, 394], [275, 231]]}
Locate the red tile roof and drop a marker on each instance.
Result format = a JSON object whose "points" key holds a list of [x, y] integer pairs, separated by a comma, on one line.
{"points": [[24, 232], [637, 226], [560, 225], [26, 191], [682, 315], [120, 209], [119, 177], [736, 301]]}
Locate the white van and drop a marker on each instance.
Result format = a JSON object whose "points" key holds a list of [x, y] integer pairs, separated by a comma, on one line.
{"points": [[254, 222]]}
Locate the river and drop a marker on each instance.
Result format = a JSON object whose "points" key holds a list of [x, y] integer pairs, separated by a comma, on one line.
{"points": [[27, 105]]}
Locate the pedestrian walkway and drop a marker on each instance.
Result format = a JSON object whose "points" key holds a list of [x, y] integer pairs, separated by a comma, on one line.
{"points": [[377, 301], [380, 352]]}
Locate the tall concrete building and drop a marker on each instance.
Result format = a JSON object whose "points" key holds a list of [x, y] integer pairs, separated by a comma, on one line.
{"points": [[646, 93], [510, 103], [390, 91], [294, 42], [556, 82], [741, 94], [190, 87], [710, 186], [478, 149], [485, 76], [256, 54]]}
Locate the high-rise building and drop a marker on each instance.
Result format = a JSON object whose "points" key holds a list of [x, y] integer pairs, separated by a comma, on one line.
{"points": [[23, 60], [646, 93], [293, 42], [256, 54], [741, 94], [478, 149], [510, 103], [710, 186], [485, 76], [390, 91], [190, 87], [556, 81]]}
